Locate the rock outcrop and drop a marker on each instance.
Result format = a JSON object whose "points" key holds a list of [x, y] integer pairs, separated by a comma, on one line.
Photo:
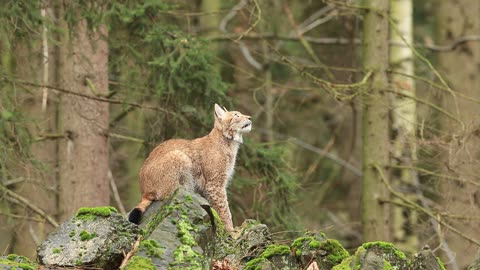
{"points": [[95, 237], [183, 232], [14, 261]]}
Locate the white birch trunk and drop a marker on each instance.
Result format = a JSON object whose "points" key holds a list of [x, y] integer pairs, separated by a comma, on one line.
{"points": [[403, 118]]}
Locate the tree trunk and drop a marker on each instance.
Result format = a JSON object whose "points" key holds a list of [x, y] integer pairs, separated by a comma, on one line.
{"points": [[40, 186], [375, 135], [461, 67], [403, 120], [83, 154], [6, 221]]}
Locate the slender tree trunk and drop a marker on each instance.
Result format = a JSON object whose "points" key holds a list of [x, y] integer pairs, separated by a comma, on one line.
{"points": [[6, 222], [40, 185], [83, 154], [403, 120], [375, 135], [461, 68]]}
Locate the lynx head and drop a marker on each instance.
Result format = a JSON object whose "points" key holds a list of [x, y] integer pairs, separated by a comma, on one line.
{"points": [[232, 124]]}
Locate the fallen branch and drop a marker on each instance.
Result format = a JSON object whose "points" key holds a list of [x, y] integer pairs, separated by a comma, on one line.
{"points": [[27, 203]]}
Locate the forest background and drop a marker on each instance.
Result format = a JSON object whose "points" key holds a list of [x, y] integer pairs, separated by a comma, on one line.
{"points": [[366, 113]]}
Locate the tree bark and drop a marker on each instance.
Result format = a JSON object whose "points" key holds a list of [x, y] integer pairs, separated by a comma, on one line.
{"points": [[83, 154], [460, 67], [375, 135], [403, 120], [40, 185], [6, 222]]}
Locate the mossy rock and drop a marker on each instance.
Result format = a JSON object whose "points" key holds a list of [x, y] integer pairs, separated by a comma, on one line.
{"points": [[273, 257], [326, 252], [178, 233], [94, 237], [249, 241], [346, 264], [14, 261], [426, 260], [372, 255]]}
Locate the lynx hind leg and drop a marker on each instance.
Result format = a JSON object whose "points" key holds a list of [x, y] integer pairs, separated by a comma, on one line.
{"points": [[173, 170]]}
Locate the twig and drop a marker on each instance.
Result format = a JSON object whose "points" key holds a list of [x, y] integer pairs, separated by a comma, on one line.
{"points": [[304, 42], [452, 46], [243, 48], [430, 104], [27, 203], [419, 208], [318, 151], [252, 26], [427, 172], [124, 137], [116, 196], [100, 99], [130, 254], [22, 217]]}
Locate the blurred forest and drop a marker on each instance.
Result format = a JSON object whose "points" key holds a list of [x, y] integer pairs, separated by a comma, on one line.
{"points": [[365, 113]]}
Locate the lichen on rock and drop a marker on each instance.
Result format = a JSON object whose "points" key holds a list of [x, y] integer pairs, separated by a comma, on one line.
{"points": [[14, 261], [326, 252], [378, 254], [177, 232], [94, 237]]}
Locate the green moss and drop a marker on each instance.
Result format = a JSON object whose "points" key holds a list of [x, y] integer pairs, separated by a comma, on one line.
{"points": [[336, 252], [218, 222], [184, 227], [386, 247], [314, 244], [18, 262], [184, 254], [71, 234], [56, 250], [139, 263], [299, 244], [358, 264], [254, 264], [275, 250], [87, 212], [344, 265], [85, 236], [440, 263], [152, 248], [387, 265]]}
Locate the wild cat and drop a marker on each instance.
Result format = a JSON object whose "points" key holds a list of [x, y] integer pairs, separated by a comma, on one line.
{"points": [[204, 165]]}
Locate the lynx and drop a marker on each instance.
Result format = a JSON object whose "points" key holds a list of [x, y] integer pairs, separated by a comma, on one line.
{"points": [[204, 165]]}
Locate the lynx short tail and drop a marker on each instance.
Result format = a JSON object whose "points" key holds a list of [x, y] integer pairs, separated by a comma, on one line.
{"points": [[135, 215]]}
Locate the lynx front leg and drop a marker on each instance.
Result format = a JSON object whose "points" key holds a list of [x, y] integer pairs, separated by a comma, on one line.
{"points": [[218, 200]]}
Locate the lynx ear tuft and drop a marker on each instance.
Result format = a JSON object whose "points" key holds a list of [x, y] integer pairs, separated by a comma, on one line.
{"points": [[219, 112]]}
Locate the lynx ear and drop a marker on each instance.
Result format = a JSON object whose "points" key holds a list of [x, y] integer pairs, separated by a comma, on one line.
{"points": [[219, 112]]}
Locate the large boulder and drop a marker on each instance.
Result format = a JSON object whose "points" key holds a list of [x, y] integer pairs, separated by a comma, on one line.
{"points": [[17, 262], [179, 233], [95, 237], [317, 247], [426, 260]]}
